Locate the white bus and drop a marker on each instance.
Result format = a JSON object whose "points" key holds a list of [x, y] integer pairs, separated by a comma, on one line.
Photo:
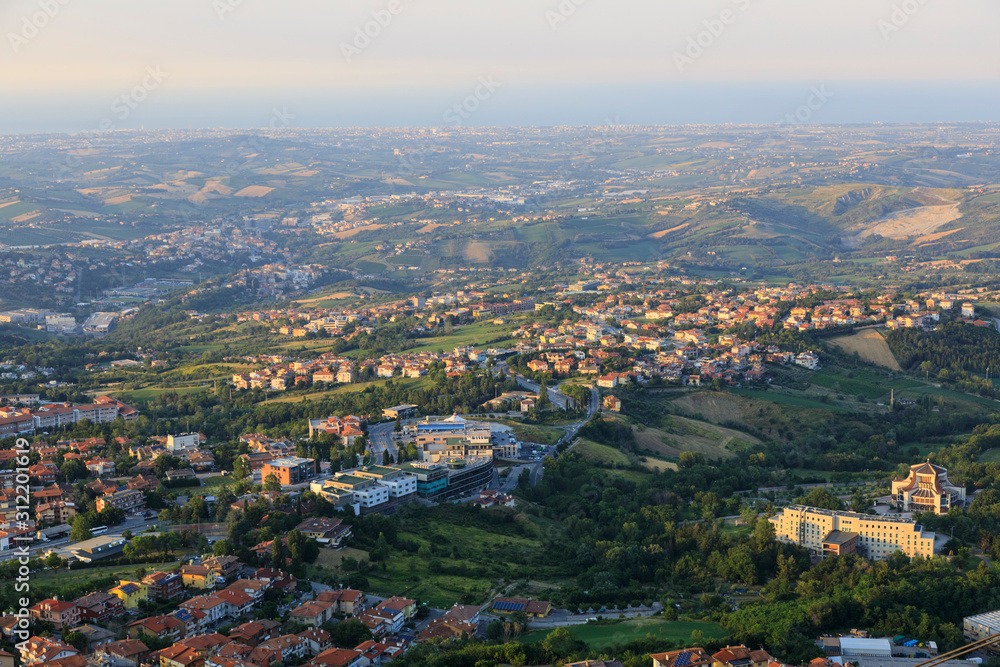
{"points": [[100, 530]]}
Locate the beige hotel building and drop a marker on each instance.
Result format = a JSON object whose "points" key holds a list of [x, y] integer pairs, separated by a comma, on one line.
{"points": [[827, 533]]}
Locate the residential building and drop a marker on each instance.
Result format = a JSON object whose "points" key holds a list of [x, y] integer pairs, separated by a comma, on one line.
{"points": [[41, 650], [164, 585], [688, 657], [313, 613], [830, 533], [57, 512], [95, 636], [339, 657], [167, 627], [349, 602], [128, 501], [224, 567], [56, 612], [131, 593], [197, 576], [325, 530], [125, 653], [180, 655], [741, 656], [100, 607], [533, 608]]}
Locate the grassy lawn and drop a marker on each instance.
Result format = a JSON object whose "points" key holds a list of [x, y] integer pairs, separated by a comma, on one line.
{"points": [[600, 636], [848, 385], [330, 559], [469, 334], [601, 453], [990, 456], [217, 483]]}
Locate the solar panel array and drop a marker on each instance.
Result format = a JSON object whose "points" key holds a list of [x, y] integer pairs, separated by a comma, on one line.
{"points": [[683, 658], [508, 606]]}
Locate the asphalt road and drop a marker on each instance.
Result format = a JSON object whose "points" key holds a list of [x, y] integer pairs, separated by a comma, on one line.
{"points": [[136, 525], [380, 442]]}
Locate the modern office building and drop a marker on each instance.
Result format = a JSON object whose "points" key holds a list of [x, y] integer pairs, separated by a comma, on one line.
{"points": [[368, 489], [290, 470], [450, 439]]}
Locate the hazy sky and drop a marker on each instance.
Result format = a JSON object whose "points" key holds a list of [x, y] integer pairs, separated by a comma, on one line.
{"points": [[59, 57]]}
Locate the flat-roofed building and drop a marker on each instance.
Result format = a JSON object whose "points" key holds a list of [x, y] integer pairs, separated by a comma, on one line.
{"points": [[400, 412], [982, 626], [97, 548], [863, 646], [877, 537], [100, 324], [452, 438], [367, 492], [185, 443], [401, 484], [290, 470], [432, 478], [927, 489]]}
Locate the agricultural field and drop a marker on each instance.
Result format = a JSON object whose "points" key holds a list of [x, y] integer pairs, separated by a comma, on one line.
{"points": [[604, 635], [789, 399], [470, 334], [860, 382], [870, 346]]}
